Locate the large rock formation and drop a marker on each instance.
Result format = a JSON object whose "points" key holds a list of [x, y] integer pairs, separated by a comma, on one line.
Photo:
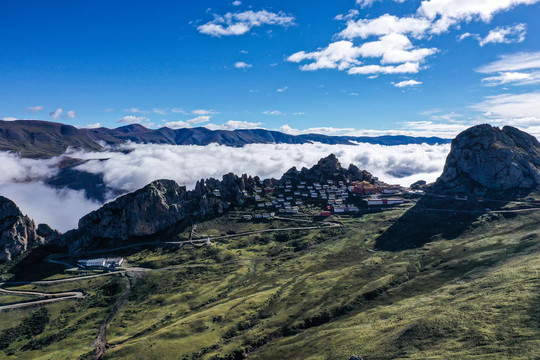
{"points": [[488, 158], [156, 207], [163, 203], [328, 168], [17, 232]]}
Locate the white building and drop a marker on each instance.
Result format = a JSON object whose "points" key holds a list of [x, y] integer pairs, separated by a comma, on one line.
{"points": [[100, 263]]}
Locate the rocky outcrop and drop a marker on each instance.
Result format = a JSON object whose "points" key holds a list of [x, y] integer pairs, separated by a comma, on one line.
{"points": [[328, 168], [163, 203], [418, 185], [488, 158], [17, 232], [157, 207]]}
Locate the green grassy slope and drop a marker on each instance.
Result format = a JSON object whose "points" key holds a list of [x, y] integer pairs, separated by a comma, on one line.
{"points": [[322, 294]]}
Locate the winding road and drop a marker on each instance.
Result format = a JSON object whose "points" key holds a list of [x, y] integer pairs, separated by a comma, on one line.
{"points": [[51, 297]]}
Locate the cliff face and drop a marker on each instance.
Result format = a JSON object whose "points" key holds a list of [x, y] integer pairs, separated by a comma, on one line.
{"points": [[486, 157], [17, 232], [156, 207]]}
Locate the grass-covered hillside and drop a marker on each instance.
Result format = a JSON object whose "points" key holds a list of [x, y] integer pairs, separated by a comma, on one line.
{"points": [[326, 293]]}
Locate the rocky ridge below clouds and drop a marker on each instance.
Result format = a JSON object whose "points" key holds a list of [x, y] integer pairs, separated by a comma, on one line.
{"points": [[164, 203]]}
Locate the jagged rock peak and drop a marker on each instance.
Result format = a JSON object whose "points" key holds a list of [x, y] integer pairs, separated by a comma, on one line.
{"points": [[486, 157], [17, 232], [329, 163], [328, 168]]}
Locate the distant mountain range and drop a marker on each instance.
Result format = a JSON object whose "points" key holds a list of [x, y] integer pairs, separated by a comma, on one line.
{"points": [[42, 139]]}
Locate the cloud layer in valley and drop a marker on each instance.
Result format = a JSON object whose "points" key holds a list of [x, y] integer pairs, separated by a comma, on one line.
{"points": [[22, 179], [128, 171], [61, 209]]}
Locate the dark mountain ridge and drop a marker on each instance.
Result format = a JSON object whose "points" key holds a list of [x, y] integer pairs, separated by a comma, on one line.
{"points": [[42, 139]]}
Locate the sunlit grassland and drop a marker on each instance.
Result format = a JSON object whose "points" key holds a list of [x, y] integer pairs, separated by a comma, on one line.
{"points": [[321, 294]]}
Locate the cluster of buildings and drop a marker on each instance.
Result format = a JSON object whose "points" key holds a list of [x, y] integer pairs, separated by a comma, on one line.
{"points": [[377, 195], [289, 198], [335, 197]]}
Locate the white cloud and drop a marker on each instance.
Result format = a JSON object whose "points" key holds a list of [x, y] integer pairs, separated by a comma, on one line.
{"points": [[513, 62], [159, 111], [177, 125], [338, 55], [187, 164], [395, 48], [108, 110], [70, 114], [56, 114], [393, 45], [366, 3], [178, 111], [350, 15], [407, 68], [505, 35], [135, 110], [132, 119], [204, 112], [21, 180], [188, 123], [242, 22], [36, 200], [283, 89], [272, 112], [449, 128], [514, 69], [443, 125], [469, 35], [92, 126], [343, 55], [236, 3], [384, 25], [131, 170], [234, 125], [35, 108], [324, 130], [511, 106], [199, 119], [446, 13], [242, 65], [513, 78], [13, 168], [10, 118], [407, 83]]}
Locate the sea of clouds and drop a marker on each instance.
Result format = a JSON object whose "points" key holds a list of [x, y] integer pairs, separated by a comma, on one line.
{"points": [[136, 165]]}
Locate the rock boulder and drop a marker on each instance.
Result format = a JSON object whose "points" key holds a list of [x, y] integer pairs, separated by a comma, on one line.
{"points": [[486, 157], [17, 231]]}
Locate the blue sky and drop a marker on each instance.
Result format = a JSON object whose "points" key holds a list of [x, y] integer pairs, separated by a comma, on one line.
{"points": [[366, 67]]}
